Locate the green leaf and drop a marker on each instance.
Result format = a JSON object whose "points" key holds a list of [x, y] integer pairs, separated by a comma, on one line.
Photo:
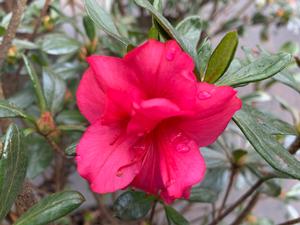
{"points": [[40, 155], [290, 47], [270, 123], [71, 149], [59, 44], [210, 188], [2, 31], [175, 217], [51, 208], [70, 117], [89, 27], [169, 29], [266, 145], [190, 30], [103, 20], [204, 52], [8, 110], [36, 84], [262, 68], [54, 90], [287, 79], [132, 205], [221, 57], [13, 166]]}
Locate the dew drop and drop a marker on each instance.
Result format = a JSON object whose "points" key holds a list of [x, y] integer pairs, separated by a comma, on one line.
{"points": [[119, 173], [188, 75], [171, 54], [182, 148], [204, 95]]}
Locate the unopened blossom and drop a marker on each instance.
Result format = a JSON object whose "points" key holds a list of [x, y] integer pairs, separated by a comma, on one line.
{"points": [[149, 116]]}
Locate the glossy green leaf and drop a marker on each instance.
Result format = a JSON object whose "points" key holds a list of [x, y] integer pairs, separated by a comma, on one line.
{"points": [[13, 166], [270, 123], [260, 69], [54, 90], [89, 27], [209, 189], [169, 29], [40, 155], [204, 52], [221, 57], [103, 20], [175, 217], [190, 29], [51, 208], [132, 205], [36, 84], [59, 44], [288, 79], [266, 145], [8, 110]]}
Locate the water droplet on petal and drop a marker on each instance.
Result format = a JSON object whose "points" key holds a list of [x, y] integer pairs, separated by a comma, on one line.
{"points": [[203, 95], [119, 173], [182, 148], [188, 75], [171, 54]]}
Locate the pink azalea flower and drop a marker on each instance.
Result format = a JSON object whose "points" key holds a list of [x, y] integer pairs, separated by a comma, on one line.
{"points": [[149, 116]]}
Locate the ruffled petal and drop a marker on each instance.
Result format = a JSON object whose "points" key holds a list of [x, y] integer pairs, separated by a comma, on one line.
{"points": [[214, 109], [181, 164], [106, 159], [164, 71], [90, 97]]}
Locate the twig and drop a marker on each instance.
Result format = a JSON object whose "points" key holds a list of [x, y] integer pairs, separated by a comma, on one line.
{"points": [[247, 209], [240, 200], [290, 222], [229, 187], [295, 146], [104, 210], [17, 12], [152, 213]]}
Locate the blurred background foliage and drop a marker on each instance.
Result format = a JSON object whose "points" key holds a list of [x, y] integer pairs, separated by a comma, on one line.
{"points": [[42, 57]]}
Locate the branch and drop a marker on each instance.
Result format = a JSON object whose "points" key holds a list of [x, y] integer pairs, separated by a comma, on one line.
{"points": [[247, 209], [295, 146], [240, 200], [290, 222]]}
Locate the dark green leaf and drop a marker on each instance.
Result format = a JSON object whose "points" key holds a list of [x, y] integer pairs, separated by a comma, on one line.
{"points": [[103, 20], [270, 123], [132, 205], [190, 30], [210, 188], [262, 68], [8, 110], [40, 155], [71, 149], [175, 217], [54, 90], [89, 27], [221, 57], [51, 208], [204, 53], [59, 44], [2, 31], [13, 166], [70, 117], [36, 84], [169, 29], [266, 145]]}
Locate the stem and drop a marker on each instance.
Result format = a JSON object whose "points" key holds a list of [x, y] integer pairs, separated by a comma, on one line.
{"points": [[295, 146], [229, 187], [247, 209], [103, 209], [240, 200], [290, 222], [152, 213]]}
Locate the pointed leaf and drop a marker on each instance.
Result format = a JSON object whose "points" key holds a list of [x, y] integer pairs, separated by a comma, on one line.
{"points": [[266, 145], [103, 20], [262, 68], [8, 110], [221, 57], [175, 217], [51, 208], [13, 164]]}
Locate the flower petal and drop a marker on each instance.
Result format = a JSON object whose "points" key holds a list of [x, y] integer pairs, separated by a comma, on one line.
{"points": [[164, 71], [106, 158], [90, 97], [214, 109], [181, 164]]}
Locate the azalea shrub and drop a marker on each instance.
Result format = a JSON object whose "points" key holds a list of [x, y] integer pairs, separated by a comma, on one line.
{"points": [[130, 112]]}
